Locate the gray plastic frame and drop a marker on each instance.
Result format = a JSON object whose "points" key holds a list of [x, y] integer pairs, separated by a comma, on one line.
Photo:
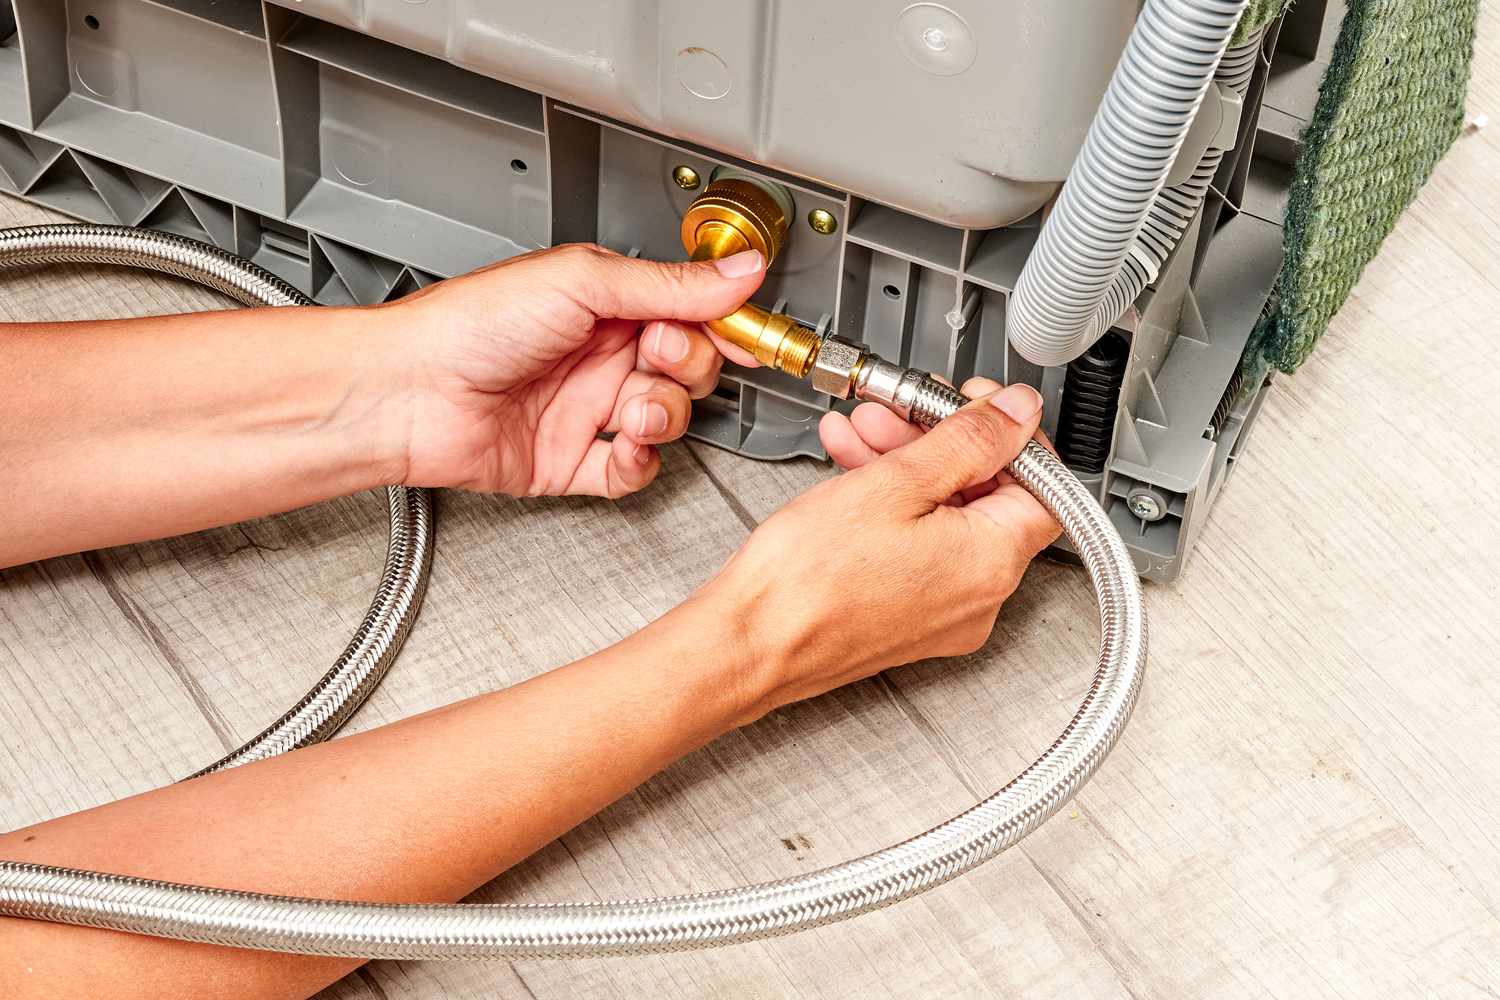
{"points": [[360, 171]]}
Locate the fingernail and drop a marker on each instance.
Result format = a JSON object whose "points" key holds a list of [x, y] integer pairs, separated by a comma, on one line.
{"points": [[740, 265], [642, 454], [653, 419], [670, 343], [1019, 402]]}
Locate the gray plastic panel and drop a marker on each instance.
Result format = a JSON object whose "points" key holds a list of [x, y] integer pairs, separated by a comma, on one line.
{"points": [[816, 87], [12, 75], [361, 170]]}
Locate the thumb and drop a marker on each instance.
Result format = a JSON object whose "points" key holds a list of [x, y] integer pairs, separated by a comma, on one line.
{"points": [[970, 446], [610, 284]]}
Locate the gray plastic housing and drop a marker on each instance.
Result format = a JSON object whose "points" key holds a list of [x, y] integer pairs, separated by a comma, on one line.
{"points": [[360, 169]]}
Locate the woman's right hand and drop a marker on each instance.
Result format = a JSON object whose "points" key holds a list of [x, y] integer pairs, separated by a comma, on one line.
{"points": [[909, 555]]}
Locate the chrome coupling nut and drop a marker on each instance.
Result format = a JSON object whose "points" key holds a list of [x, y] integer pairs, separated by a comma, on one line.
{"points": [[842, 370], [892, 386], [836, 366]]}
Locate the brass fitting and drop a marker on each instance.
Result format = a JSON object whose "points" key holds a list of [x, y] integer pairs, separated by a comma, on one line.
{"points": [[732, 215]]}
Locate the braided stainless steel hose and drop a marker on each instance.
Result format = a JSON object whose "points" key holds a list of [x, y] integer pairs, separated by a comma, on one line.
{"points": [[373, 649], [673, 923]]}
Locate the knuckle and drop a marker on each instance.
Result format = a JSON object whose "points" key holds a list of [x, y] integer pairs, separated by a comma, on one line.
{"points": [[580, 254], [1011, 556], [674, 281], [705, 382], [977, 427], [679, 410], [1045, 529], [1034, 530], [581, 273]]}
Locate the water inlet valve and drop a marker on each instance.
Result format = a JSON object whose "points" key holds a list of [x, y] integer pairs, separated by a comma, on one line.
{"points": [[736, 213]]}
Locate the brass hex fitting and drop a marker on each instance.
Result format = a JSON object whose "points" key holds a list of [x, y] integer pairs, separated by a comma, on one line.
{"points": [[732, 215]]}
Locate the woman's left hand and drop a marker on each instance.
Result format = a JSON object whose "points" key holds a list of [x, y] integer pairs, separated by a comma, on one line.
{"points": [[515, 372]]}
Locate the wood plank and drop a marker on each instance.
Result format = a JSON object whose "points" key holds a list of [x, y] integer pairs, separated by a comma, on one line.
{"points": [[1304, 804], [247, 615]]}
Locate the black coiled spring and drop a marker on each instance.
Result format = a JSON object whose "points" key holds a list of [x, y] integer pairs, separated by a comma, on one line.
{"points": [[1091, 397]]}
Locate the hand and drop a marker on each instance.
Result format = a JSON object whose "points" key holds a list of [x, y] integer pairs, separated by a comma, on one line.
{"points": [[517, 369], [907, 556]]}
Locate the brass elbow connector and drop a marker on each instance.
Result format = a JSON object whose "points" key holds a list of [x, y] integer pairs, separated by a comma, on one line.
{"points": [[732, 215]]}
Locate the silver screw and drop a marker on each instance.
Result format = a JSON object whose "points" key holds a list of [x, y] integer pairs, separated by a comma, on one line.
{"points": [[1145, 506], [936, 39]]}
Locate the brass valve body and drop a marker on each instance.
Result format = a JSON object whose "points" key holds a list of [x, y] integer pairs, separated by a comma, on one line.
{"points": [[731, 216]]}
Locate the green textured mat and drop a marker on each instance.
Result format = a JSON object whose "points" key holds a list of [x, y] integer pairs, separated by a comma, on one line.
{"points": [[1390, 105], [1258, 14]]}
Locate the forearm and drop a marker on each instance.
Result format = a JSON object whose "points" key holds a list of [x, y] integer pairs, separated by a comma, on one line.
{"points": [[428, 808], [118, 431]]}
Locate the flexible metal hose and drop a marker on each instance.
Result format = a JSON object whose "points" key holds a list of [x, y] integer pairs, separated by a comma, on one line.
{"points": [[1113, 226], [483, 930], [364, 661]]}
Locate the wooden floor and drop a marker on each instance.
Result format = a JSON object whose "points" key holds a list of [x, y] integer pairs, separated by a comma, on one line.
{"points": [[1307, 803]]}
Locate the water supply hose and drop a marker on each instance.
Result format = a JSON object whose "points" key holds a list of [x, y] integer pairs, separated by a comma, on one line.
{"points": [[1114, 226], [622, 927], [403, 581]]}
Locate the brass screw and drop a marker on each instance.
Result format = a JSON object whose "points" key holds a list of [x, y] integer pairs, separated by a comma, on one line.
{"points": [[686, 177], [822, 221]]}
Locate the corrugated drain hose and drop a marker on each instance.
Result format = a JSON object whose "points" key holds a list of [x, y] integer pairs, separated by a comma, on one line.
{"points": [[470, 931], [1114, 226]]}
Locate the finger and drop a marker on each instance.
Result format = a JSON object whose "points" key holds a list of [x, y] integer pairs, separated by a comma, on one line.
{"points": [[971, 493], [882, 429], [968, 447], [685, 354], [843, 443], [731, 352], [636, 383], [978, 387], [609, 284], [654, 412], [614, 468], [1026, 523]]}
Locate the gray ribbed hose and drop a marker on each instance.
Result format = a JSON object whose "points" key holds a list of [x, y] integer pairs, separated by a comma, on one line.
{"points": [[1114, 226], [487, 931]]}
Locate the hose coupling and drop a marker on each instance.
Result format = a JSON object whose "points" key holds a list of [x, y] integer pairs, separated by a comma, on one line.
{"points": [[733, 214], [737, 212], [842, 370]]}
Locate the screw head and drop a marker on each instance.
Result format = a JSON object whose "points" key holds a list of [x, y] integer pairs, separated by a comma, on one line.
{"points": [[1145, 506], [686, 177], [822, 221]]}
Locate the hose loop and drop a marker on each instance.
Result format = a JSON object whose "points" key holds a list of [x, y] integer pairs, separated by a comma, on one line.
{"points": [[622, 927], [398, 595], [1080, 278]]}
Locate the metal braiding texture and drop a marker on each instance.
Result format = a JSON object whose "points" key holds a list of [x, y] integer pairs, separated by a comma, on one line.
{"points": [[398, 596], [674, 923]]}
